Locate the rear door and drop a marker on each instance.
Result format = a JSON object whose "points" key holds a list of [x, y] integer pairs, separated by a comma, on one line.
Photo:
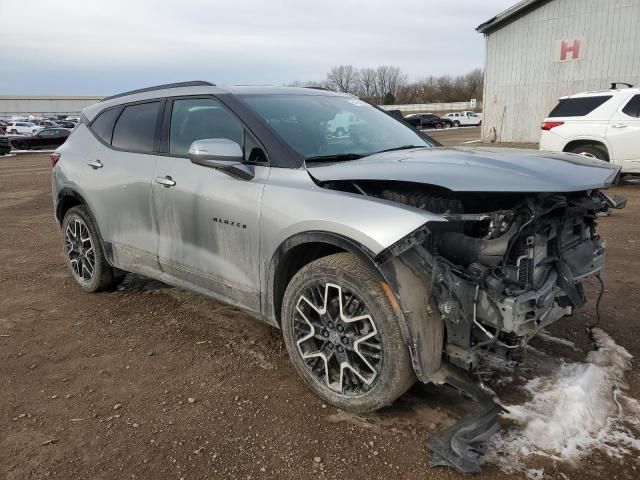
{"points": [[208, 221], [117, 176], [623, 135]]}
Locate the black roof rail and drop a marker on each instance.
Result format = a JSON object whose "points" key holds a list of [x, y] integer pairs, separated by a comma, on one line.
{"points": [[614, 85], [195, 83], [318, 87]]}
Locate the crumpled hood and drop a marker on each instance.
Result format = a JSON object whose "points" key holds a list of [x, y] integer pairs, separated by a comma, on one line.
{"points": [[482, 169]]}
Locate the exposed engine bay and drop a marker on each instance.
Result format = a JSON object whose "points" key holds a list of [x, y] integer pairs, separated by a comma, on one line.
{"points": [[503, 265], [497, 271]]}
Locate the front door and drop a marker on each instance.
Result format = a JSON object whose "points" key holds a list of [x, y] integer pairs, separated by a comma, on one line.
{"points": [[208, 221], [623, 135]]}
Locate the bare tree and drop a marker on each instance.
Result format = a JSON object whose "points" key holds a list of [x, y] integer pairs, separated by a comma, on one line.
{"points": [[388, 80], [368, 89], [343, 78]]}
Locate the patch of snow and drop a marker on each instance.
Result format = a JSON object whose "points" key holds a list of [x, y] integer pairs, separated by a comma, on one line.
{"points": [[574, 408], [533, 474]]}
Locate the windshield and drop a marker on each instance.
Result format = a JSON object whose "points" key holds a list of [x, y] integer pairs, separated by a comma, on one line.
{"points": [[330, 127]]}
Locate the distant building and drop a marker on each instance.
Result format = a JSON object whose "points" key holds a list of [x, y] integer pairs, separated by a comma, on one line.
{"points": [[23, 106], [539, 50]]}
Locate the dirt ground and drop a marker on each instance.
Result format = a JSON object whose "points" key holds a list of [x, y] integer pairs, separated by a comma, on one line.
{"points": [[156, 382]]}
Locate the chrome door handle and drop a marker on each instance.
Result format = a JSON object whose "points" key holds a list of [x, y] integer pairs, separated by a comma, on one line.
{"points": [[165, 181], [95, 164], [619, 125]]}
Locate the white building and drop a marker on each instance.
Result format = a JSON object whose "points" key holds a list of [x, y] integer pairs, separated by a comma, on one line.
{"points": [[23, 106], [539, 50]]}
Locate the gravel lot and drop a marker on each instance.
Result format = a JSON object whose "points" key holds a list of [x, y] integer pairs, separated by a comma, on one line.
{"points": [[156, 382]]}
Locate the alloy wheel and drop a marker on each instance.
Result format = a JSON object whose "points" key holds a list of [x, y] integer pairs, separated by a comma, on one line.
{"points": [[337, 338], [80, 250]]}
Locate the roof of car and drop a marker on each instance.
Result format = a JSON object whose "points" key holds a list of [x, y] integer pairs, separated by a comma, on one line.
{"points": [[200, 88], [611, 91]]}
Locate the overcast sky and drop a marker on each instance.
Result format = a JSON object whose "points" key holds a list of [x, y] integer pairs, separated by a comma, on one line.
{"points": [[98, 47]]}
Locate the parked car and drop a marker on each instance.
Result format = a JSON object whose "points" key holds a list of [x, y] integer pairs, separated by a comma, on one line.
{"points": [[43, 139], [45, 123], [341, 124], [238, 193], [23, 128], [66, 124], [464, 119], [5, 145], [428, 120], [603, 124]]}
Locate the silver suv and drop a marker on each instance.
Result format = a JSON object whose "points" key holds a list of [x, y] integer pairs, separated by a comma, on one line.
{"points": [[381, 255]]}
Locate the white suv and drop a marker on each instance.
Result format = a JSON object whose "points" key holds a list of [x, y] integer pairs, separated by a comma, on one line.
{"points": [[464, 119], [603, 125], [22, 128]]}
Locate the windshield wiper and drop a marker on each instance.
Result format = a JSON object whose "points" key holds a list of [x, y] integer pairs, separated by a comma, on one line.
{"points": [[338, 157], [404, 147]]}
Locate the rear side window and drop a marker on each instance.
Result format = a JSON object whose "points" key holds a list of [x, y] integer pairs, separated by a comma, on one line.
{"points": [[632, 108], [578, 107], [103, 125], [135, 130]]}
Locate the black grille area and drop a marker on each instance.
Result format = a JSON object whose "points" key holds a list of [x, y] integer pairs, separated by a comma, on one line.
{"points": [[425, 201]]}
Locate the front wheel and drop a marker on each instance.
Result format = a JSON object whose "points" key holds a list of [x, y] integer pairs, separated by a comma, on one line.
{"points": [[456, 123], [342, 335], [83, 252]]}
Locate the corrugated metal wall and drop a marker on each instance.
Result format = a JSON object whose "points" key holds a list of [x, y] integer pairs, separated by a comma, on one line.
{"points": [[522, 79], [22, 106]]}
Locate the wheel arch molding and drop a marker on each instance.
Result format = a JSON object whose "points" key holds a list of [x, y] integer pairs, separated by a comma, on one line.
{"points": [[302, 248], [67, 199]]}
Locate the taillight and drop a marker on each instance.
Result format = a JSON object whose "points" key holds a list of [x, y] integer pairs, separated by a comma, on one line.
{"points": [[550, 125], [55, 156]]}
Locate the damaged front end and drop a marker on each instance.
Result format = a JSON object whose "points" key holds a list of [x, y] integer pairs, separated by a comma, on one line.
{"points": [[474, 289]]}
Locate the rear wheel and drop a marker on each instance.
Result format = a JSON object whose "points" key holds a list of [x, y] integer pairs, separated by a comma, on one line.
{"points": [[342, 335], [439, 126], [23, 146], [83, 252], [456, 123], [591, 151]]}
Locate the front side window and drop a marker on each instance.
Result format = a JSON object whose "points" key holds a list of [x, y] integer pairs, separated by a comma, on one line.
{"points": [[198, 119], [136, 127], [578, 107], [318, 126], [632, 108], [103, 125]]}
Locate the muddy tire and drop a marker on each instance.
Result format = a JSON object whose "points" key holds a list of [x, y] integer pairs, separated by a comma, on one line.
{"points": [[343, 336], [83, 252]]}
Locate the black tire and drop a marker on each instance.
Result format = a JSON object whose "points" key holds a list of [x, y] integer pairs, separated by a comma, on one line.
{"points": [[456, 123], [102, 277], [340, 132], [13, 132], [22, 146], [447, 125], [592, 151], [393, 369], [439, 126]]}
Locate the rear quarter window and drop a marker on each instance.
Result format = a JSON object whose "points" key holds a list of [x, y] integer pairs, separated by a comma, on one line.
{"points": [[578, 107], [102, 126]]}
